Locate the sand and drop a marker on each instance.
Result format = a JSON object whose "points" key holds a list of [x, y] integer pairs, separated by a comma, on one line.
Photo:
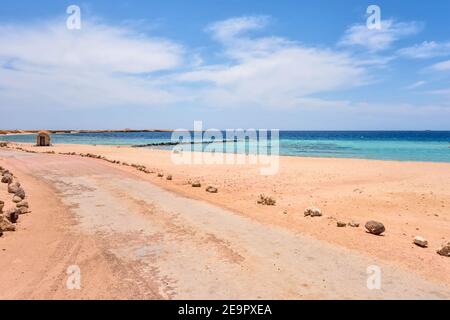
{"points": [[410, 198]]}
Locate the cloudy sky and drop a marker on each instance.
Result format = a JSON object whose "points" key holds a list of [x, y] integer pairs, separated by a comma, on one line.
{"points": [[306, 65]]}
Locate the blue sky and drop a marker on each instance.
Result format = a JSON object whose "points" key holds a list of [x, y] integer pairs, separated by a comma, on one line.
{"points": [[307, 65]]}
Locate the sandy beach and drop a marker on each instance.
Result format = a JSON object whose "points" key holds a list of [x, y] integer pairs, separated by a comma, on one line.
{"points": [[182, 242]]}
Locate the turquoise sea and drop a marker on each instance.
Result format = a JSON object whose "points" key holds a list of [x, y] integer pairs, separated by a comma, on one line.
{"points": [[431, 146]]}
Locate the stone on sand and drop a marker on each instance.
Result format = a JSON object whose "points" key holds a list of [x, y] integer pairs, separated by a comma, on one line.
{"points": [[7, 178], [444, 250], [375, 227], [13, 187], [22, 210], [354, 224], [20, 193], [12, 215], [211, 189], [196, 184], [169, 177], [22, 203], [16, 199], [6, 225], [341, 224], [421, 242], [313, 212]]}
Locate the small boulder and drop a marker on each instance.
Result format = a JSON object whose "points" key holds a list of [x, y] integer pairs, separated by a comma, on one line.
{"points": [[16, 199], [341, 224], [376, 228], [354, 224], [169, 177], [313, 212], [444, 250], [421, 242], [160, 175], [2, 205], [7, 178], [13, 187], [211, 189], [20, 193], [6, 225], [22, 210], [12, 215], [22, 203], [196, 184]]}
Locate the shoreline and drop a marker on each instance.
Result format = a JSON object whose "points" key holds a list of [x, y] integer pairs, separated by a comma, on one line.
{"points": [[410, 198], [154, 147]]}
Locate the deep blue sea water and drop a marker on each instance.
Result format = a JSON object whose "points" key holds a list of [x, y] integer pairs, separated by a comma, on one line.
{"points": [[431, 146]]}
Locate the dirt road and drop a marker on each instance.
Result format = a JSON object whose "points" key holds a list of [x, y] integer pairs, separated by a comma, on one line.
{"points": [[132, 239]]}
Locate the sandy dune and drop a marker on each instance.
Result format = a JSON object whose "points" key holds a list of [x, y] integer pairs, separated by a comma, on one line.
{"points": [[133, 239]]}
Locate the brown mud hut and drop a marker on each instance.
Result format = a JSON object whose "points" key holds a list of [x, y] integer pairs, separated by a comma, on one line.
{"points": [[43, 139]]}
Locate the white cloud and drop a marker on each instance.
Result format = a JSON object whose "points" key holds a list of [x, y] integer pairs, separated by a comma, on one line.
{"points": [[427, 49], [379, 39], [444, 92], [47, 65], [98, 47], [416, 85], [270, 71], [441, 66], [228, 29]]}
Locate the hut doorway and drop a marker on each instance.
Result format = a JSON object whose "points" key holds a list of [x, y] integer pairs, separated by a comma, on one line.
{"points": [[43, 139]]}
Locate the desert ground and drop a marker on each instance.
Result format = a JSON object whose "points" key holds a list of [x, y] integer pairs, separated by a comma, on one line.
{"points": [[136, 235]]}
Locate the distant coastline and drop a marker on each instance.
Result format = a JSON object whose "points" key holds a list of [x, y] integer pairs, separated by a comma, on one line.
{"points": [[6, 132]]}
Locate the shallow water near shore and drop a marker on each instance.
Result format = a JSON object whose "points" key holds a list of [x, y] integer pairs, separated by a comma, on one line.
{"points": [[430, 146]]}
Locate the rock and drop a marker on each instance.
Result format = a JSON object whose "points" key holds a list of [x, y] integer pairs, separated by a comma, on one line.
{"points": [[211, 189], [6, 225], [375, 227], [421, 242], [20, 193], [16, 199], [13, 187], [7, 178], [2, 205], [444, 250], [354, 224], [266, 200], [313, 212], [22, 210], [196, 184], [12, 215], [341, 224], [160, 175], [22, 203], [169, 177]]}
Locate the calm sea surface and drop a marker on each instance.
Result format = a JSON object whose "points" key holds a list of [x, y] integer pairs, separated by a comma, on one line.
{"points": [[431, 146]]}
